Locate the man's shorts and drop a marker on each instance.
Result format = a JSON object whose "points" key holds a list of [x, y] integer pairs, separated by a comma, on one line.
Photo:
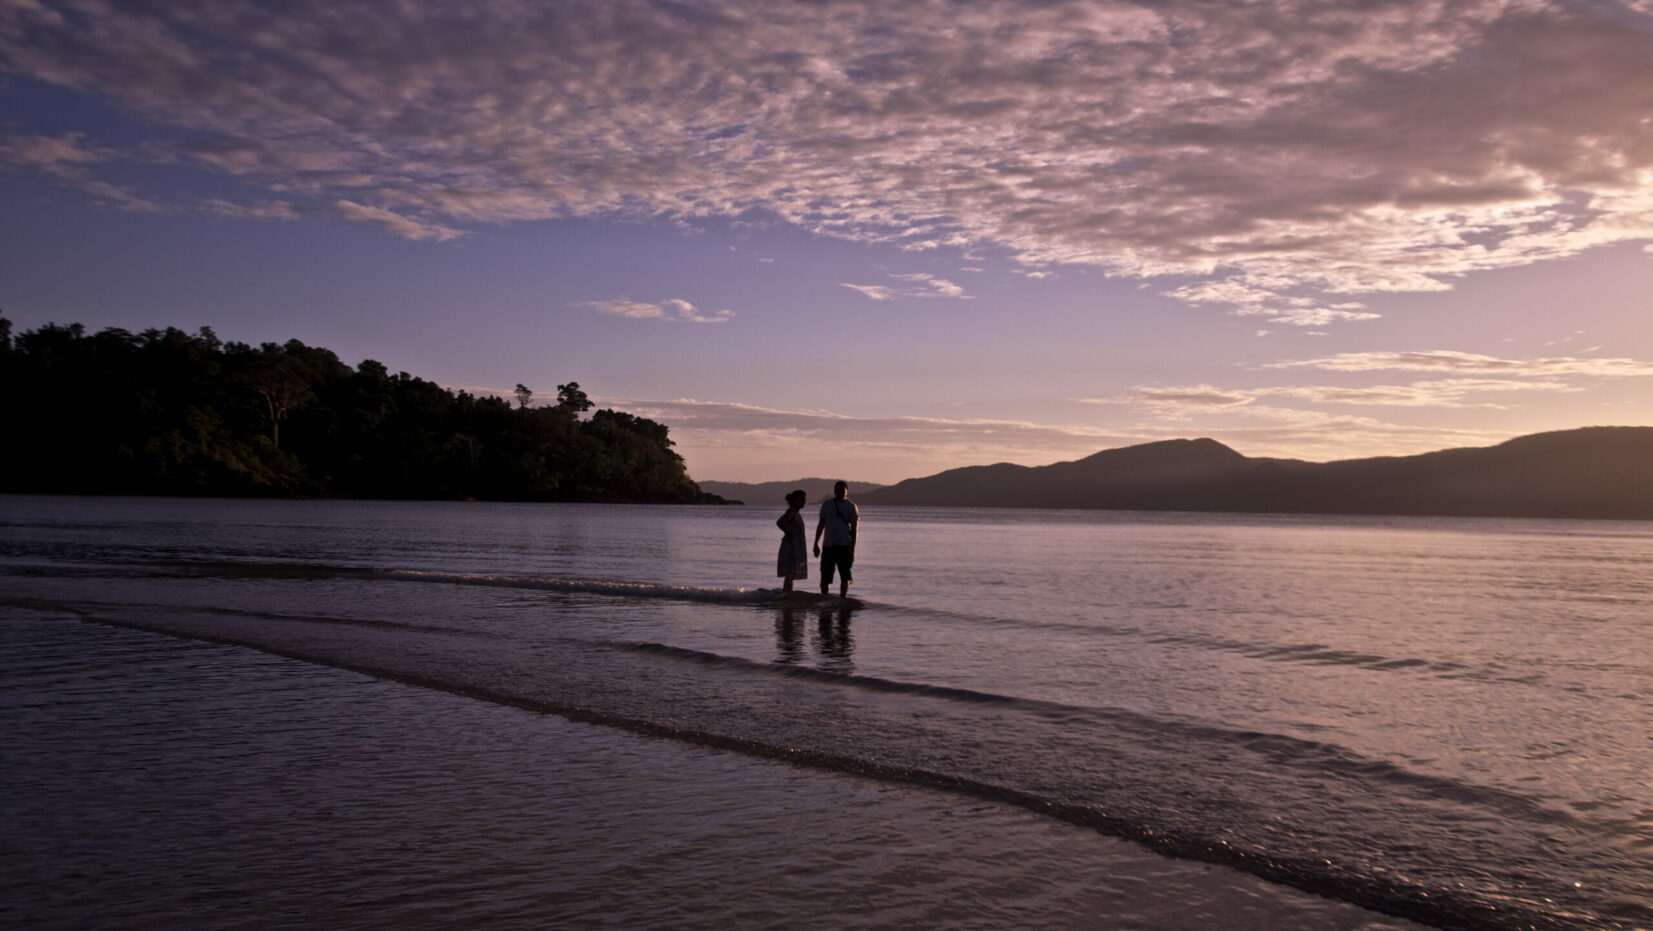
{"points": [[836, 557]]}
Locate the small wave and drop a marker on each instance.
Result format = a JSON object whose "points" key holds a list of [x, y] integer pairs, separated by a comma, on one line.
{"points": [[1190, 789], [1308, 653], [286, 570], [590, 586], [869, 683], [223, 568], [1327, 759]]}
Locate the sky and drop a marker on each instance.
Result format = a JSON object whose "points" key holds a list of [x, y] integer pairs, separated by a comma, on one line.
{"points": [[871, 240]]}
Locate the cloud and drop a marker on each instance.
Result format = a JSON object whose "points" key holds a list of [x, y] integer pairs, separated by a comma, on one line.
{"points": [[50, 153], [1445, 360], [1445, 393], [1284, 152], [676, 310], [1453, 392], [1254, 298], [921, 285], [66, 159], [1200, 396], [263, 210], [1318, 316], [392, 223], [876, 292]]}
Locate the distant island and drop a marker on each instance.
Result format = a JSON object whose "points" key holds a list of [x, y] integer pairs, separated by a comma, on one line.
{"points": [[818, 489], [1594, 472], [165, 412]]}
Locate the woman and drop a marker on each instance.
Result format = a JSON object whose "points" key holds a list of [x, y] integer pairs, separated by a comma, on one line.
{"points": [[793, 559]]}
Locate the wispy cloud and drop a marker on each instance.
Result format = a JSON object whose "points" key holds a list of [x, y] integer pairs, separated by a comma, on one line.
{"points": [[674, 309], [1445, 360], [876, 292], [919, 285], [1182, 401], [1254, 298], [1277, 156], [392, 222], [52, 154], [263, 210], [67, 159]]}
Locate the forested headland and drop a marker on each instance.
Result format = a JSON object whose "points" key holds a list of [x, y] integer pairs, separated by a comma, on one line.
{"points": [[165, 412]]}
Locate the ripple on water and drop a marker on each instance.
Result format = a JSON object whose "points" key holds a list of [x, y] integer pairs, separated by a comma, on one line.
{"points": [[156, 782]]}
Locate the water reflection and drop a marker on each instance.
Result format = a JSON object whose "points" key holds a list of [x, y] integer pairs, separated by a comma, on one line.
{"points": [[831, 639], [789, 638]]}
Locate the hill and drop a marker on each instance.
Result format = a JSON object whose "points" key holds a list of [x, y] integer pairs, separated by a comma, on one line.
{"points": [[818, 489], [1593, 472]]}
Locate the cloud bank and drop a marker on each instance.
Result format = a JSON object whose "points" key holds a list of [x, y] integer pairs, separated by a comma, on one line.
{"points": [[1276, 156]]}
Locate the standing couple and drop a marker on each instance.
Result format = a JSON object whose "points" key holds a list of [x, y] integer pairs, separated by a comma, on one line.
{"points": [[839, 521]]}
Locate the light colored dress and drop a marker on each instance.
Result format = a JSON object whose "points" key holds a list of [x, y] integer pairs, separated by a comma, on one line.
{"points": [[793, 558]]}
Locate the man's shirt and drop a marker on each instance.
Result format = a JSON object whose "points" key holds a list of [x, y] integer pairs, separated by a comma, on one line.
{"points": [[838, 515]]}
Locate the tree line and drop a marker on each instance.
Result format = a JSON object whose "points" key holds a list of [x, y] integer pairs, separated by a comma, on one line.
{"points": [[167, 412]]}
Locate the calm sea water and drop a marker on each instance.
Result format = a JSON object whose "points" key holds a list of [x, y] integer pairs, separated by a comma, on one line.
{"points": [[1441, 719]]}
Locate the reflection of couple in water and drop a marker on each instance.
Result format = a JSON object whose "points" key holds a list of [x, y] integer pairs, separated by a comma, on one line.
{"points": [[831, 638], [838, 523]]}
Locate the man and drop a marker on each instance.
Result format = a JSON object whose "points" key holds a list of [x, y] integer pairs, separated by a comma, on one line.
{"points": [[839, 520]]}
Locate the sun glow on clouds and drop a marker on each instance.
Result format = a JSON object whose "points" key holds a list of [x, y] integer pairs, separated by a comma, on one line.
{"points": [[1442, 360], [1281, 155]]}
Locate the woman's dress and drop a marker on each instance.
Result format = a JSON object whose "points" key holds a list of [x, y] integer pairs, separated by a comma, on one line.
{"points": [[793, 558]]}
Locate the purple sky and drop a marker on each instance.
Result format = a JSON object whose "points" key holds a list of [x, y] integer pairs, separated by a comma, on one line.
{"points": [[869, 239]]}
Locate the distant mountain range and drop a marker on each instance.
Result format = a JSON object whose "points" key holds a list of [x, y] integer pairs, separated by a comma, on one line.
{"points": [[1594, 472], [818, 489]]}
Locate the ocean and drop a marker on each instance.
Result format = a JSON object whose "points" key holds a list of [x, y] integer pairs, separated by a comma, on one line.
{"points": [[232, 713]]}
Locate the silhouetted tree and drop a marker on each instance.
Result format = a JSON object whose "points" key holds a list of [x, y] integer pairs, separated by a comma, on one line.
{"points": [[524, 394], [168, 412], [279, 380], [571, 398]]}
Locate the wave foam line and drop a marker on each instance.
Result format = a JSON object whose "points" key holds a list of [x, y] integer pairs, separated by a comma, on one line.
{"points": [[590, 586], [260, 569]]}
